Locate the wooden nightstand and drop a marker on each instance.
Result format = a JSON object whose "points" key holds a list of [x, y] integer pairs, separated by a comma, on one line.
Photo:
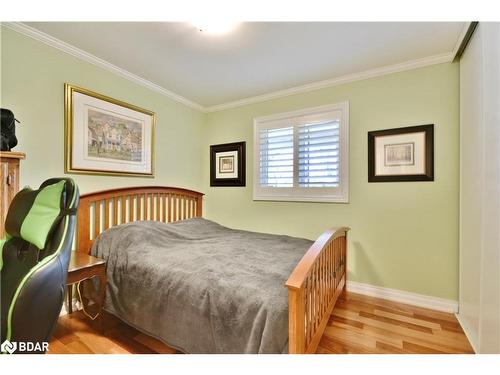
{"points": [[82, 267]]}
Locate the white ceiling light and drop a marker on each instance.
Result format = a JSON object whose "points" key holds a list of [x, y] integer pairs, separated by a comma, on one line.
{"points": [[215, 27]]}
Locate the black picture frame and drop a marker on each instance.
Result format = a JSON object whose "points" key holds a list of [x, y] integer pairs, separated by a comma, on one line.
{"points": [[240, 148], [428, 175]]}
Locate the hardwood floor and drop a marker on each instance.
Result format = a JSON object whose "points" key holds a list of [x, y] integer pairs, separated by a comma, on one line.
{"points": [[77, 334], [359, 324]]}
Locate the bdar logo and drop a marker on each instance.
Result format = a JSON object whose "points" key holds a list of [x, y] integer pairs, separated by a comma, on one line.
{"points": [[9, 347]]}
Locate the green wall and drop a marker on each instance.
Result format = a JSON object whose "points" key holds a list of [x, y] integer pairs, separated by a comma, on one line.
{"points": [[32, 86], [403, 235]]}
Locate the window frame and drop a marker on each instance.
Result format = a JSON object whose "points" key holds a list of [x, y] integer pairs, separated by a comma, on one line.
{"points": [[338, 194]]}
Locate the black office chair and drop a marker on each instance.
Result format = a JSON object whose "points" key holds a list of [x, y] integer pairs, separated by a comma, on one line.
{"points": [[34, 260]]}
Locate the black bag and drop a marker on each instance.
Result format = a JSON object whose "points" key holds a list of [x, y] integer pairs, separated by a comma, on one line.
{"points": [[7, 130]]}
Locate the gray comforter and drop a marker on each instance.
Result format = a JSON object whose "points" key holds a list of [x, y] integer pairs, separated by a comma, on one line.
{"points": [[201, 287]]}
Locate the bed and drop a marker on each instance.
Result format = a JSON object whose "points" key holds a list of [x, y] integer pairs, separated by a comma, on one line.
{"points": [[204, 288]]}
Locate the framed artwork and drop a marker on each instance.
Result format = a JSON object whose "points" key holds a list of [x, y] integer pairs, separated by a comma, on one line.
{"points": [[227, 164], [402, 154], [105, 136]]}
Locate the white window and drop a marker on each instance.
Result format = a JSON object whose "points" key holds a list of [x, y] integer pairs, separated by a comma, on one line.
{"points": [[303, 155]]}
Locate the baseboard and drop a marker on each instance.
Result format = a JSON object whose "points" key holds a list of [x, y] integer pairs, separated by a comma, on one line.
{"points": [[468, 333], [421, 300]]}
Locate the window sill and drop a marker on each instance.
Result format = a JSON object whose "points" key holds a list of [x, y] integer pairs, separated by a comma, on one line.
{"points": [[330, 199]]}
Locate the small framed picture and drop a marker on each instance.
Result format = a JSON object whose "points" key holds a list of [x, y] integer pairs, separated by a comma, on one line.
{"points": [[227, 164], [402, 154]]}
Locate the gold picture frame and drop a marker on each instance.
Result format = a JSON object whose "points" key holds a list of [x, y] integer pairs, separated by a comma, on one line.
{"points": [[112, 158]]}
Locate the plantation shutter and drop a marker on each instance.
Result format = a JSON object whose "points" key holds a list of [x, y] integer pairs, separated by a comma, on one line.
{"points": [[319, 159], [303, 155], [276, 157]]}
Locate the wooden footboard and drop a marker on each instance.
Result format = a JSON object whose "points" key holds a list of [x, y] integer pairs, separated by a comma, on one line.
{"points": [[313, 288]]}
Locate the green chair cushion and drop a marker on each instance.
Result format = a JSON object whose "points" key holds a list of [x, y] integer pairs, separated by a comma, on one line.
{"points": [[33, 213]]}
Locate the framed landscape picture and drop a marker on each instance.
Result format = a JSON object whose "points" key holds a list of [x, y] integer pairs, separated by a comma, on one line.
{"points": [[402, 154], [105, 136], [227, 164]]}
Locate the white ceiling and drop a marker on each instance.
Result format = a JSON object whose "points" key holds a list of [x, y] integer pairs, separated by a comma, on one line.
{"points": [[256, 58]]}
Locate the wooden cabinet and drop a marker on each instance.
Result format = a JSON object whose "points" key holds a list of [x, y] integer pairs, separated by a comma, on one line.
{"points": [[9, 177]]}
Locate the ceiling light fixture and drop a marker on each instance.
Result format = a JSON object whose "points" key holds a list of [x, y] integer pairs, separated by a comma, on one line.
{"points": [[215, 27]]}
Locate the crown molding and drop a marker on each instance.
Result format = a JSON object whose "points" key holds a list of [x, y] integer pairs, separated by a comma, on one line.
{"points": [[87, 57], [372, 73]]}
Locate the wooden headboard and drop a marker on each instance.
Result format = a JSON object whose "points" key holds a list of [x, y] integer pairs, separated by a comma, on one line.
{"points": [[103, 209]]}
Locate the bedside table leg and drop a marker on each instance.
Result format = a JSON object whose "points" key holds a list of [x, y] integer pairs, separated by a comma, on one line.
{"points": [[102, 297], [70, 299]]}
